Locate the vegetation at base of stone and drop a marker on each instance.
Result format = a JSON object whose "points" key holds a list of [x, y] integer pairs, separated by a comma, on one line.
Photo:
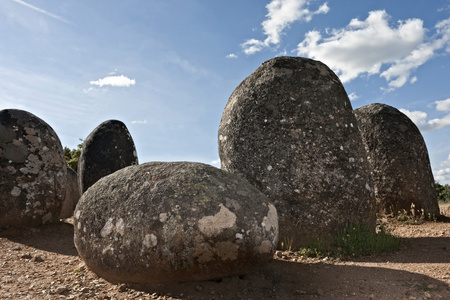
{"points": [[413, 216], [443, 192], [73, 155], [354, 241], [286, 244]]}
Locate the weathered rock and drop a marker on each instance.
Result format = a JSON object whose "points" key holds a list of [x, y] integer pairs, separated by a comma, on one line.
{"points": [[71, 196], [398, 158], [168, 222], [32, 170], [107, 149], [288, 128]]}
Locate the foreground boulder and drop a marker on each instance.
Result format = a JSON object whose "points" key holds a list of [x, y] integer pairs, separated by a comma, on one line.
{"points": [[32, 170], [168, 222], [288, 128], [398, 159], [107, 149], [72, 195]]}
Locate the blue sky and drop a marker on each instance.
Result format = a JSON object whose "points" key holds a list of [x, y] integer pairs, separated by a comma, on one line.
{"points": [[167, 68]]}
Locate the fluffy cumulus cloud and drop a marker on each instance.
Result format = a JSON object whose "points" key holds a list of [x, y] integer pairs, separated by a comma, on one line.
{"points": [[420, 119], [442, 173], [280, 15], [363, 47], [115, 81], [443, 105]]}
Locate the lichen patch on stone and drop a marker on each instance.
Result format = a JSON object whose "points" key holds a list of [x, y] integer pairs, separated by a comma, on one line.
{"points": [[108, 228], [271, 220], [227, 250], [150, 240], [16, 191], [214, 225], [266, 247]]}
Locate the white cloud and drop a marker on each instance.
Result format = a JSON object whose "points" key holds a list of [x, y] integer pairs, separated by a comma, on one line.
{"points": [[413, 80], [419, 118], [353, 97], [231, 55], [363, 47], [442, 175], [42, 11], [139, 122], [215, 163], [416, 116], [281, 14], [445, 162], [117, 81], [443, 105]]}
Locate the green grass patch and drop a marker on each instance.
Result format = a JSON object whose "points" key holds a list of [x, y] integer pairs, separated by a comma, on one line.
{"points": [[354, 241]]}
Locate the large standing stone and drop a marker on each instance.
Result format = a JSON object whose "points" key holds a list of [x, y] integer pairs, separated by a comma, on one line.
{"points": [[398, 158], [167, 222], [32, 170], [107, 149], [72, 195], [288, 128]]}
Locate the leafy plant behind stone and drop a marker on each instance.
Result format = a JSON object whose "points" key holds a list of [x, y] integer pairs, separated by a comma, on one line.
{"points": [[443, 192], [73, 155]]}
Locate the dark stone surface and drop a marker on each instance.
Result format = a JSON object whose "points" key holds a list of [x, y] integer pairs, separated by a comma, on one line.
{"points": [[288, 128], [179, 221], [107, 149], [32, 170], [72, 195], [398, 158]]}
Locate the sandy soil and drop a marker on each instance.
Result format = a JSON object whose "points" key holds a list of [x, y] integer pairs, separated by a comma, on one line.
{"points": [[42, 263]]}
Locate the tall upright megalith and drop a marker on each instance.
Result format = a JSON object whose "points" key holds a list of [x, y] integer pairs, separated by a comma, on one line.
{"points": [[32, 170], [288, 128], [399, 160], [108, 148]]}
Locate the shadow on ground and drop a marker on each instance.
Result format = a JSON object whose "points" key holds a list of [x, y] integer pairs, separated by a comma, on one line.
{"points": [[57, 238]]}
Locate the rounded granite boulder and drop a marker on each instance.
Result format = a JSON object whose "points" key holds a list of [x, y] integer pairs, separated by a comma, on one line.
{"points": [[108, 148], [71, 196], [288, 128], [173, 222], [399, 160], [32, 170]]}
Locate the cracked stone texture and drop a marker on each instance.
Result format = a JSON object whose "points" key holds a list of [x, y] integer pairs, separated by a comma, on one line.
{"points": [[32, 170], [288, 128], [71, 196], [108, 148], [170, 222], [399, 160]]}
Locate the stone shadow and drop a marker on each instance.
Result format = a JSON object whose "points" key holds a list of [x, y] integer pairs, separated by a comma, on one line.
{"points": [[57, 238], [293, 280]]}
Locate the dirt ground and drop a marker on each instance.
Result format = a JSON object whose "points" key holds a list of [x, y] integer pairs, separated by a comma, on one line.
{"points": [[42, 263]]}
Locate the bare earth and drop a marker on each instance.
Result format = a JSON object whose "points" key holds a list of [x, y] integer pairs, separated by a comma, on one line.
{"points": [[42, 263]]}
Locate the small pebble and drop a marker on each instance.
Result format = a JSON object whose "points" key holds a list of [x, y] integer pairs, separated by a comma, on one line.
{"points": [[122, 288], [38, 258], [61, 290], [27, 256], [199, 288]]}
